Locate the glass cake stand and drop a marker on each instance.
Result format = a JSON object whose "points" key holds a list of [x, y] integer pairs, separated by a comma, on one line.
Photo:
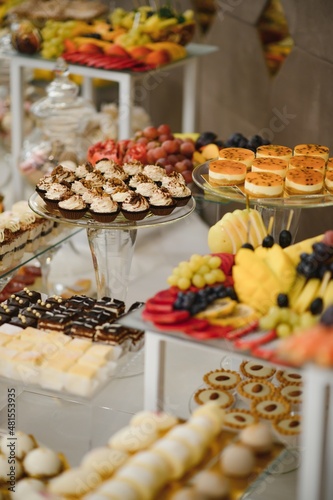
{"points": [[112, 244], [283, 209]]}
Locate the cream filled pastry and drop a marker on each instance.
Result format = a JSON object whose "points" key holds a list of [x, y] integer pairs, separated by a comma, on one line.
{"points": [[276, 166], [304, 181], [263, 185], [227, 172]]}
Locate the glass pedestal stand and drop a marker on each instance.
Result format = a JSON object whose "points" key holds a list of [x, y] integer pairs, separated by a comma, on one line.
{"points": [[112, 253], [112, 244], [284, 218]]}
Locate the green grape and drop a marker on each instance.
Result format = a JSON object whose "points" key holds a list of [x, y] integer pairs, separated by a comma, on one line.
{"points": [[204, 269], [198, 280], [185, 272], [210, 278], [214, 262], [172, 280], [283, 330], [176, 271], [219, 275], [184, 283], [267, 322]]}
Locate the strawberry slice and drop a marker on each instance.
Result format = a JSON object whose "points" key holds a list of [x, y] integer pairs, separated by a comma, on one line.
{"points": [[153, 306], [166, 318], [165, 296]]}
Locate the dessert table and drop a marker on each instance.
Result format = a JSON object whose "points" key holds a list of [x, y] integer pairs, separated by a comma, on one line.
{"points": [[126, 81]]}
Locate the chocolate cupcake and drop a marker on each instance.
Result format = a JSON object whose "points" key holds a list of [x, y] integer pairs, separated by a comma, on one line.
{"points": [[161, 202], [43, 185], [104, 209], [56, 193], [135, 207], [73, 207], [179, 192]]}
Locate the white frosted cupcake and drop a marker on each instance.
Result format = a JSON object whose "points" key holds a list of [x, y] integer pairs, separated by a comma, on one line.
{"points": [[104, 209]]}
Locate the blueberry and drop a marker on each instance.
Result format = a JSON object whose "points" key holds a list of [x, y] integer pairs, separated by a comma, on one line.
{"points": [[178, 304], [283, 300], [219, 143], [255, 141], [268, 241], [321, 251], [316, 306], [265, 142], [285, 238], [327, 317], [236, 137], [243, 143], [231, 293], [248, 245]]}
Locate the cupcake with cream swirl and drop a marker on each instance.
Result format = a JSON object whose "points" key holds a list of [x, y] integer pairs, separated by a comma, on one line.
{"points": [[135, 206], [161, 202], [179, 192], [104, 209]]}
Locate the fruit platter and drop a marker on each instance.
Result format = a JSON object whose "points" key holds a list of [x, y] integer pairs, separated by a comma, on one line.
{"points": [[258, 295], [138, 40]]}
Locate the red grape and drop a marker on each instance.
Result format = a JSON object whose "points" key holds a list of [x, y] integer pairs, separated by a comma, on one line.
{"points": [[159, 153], [172, 159], [187, 174], [187, 149], [165, 137], [162, 162], [180, 167], [151, 156], [188, 163], [181, 157], [164, 129], [169, 169], [150, 132], [142, 140], [152, 145], [171, 146]]}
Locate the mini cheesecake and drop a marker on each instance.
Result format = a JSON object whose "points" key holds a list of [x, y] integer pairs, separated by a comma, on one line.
{"points": [[304, 181], [304, 161], [329, 181], [329, 164], [274, 151], [227, 172], [243, 155], [312, 150], [263, 185], [273, 165]]}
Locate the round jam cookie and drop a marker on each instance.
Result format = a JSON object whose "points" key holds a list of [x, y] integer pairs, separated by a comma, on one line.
{"points": [[237, 460], [255, 388], [292, 393], [271, 407], [286, 377], [258, 437], [255, 369], [223, 398], [222, 379], [239, 418]]}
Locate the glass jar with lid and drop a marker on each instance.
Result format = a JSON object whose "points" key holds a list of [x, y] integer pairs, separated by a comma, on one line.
{"points": [[61, 133]]}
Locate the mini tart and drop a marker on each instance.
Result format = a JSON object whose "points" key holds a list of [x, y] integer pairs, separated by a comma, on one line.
{"points": [[288, 377], [271, 407], [312, 150], [226, 172], [257, 370], [223, 398], [292, 393], [239, 418], [289, 425], [243, 155], [304, 181], [274, 151], [255, 388], [329, 181], [273, 165], [313, 162], [263, 185], [222, 379]]}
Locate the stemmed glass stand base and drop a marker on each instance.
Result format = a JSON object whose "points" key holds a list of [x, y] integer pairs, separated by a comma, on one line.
{"points": [[283, 218], [112, 252]]}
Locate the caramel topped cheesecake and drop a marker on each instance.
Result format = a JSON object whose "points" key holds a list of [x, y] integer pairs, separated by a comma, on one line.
{"points": [[307, 161], [329, 164], [312, 150], [263, 185], [243, 155], [274, 151], [273, 165], [329, 181], [304, 181], [227, 172]]}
